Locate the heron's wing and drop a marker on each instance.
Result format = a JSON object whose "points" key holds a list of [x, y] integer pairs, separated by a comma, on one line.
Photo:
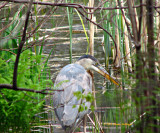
{"points": [[78, 80]]}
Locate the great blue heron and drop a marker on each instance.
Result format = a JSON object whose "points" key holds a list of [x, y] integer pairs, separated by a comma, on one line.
{"points": [[77, 79]]}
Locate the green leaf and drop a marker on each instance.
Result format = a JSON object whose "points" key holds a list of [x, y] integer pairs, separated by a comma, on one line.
{"points": [[74, 106]]}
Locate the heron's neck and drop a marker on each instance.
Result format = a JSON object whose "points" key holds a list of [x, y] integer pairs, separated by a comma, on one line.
{"points": [[85, 65], [82, 63], [90, 72]]}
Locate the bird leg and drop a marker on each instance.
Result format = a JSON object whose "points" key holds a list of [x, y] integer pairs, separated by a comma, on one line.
{"points": [[84, 123]]}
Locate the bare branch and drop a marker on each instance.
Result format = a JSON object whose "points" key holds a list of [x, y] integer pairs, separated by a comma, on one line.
{"points": [[102, 29], [74, 5], [8, 86], [20, 46]]}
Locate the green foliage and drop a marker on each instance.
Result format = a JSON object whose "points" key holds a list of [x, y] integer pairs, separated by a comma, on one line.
{"points": [[80, 95], [18, 108], [89, 98]]}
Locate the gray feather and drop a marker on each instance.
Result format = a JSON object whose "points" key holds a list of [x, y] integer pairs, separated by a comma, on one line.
{"points": [[78, 80]]}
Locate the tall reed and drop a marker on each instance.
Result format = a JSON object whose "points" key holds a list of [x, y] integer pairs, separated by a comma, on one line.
{"points": [[70, 21]]}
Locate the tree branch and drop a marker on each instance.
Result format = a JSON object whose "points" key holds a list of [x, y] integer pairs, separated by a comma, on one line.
{"points": [[140, 22], [123, 14], [102, 29], [132, 15], [20, 46], [73, 5], [8, 86]]}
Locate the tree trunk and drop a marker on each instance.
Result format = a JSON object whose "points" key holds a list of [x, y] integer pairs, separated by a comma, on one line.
{"points": [[152, 109]]}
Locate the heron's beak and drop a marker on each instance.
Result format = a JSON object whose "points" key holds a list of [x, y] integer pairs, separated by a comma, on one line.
{"points": [[98, 68]]}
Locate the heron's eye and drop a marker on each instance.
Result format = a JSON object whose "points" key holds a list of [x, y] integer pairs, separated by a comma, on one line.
{"points": [[96, 64]]}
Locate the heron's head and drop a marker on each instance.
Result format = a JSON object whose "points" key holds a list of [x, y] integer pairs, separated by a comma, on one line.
{"points": [[91, 63]]}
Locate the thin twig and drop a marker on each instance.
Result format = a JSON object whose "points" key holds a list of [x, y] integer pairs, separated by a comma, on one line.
{"points": [[102, 29], [3, 5], [92, 121], [100, 126], [8, 25], [119, 4]]}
